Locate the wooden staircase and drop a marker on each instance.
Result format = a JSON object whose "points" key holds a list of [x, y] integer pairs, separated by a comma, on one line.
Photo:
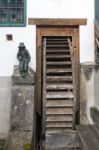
{"points": [[58, 90]]}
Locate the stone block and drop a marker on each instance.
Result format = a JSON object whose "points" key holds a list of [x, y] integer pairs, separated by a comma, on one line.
{"points": [[17, 79], [22, 107], [5, 102], [18, 140]]}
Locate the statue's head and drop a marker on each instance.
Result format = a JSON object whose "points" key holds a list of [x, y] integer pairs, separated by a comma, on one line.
{"points": [[21, 46]]}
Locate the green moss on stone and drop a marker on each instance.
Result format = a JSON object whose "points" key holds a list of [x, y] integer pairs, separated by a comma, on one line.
{"points": [[27, 147], [1, 147]]}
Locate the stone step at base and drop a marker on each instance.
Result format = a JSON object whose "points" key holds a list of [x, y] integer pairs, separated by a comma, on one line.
{"points": [[66, 141]]}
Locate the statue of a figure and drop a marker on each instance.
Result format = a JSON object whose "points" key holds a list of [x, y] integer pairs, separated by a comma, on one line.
{"points": [[24, 58]]}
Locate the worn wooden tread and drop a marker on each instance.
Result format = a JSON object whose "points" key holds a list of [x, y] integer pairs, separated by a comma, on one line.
{"points": [[54, 111], [61, 43], [58, 51], [58, 63], [58, 70], [60, 118], [59, 78], [56, 95], [59, 86], [59, 124], [89, 137], [58, 130], [55, 41], [58, 56], [59, 103], [59, 46]]}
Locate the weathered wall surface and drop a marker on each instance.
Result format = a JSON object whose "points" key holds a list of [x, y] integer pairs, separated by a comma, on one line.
{"points": [[89, 92], [5, 103], [96, 87], [86, 92]]}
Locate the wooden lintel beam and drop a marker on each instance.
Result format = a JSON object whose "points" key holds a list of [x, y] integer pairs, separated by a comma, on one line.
{"points": [[62, 22]]}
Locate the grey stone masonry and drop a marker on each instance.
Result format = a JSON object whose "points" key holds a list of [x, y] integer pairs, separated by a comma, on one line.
{"points": [[22, 105], [18, 140], [22, 110]]}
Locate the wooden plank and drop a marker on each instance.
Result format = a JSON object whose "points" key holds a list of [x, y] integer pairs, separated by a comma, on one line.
{"points": [[58, 130], [57, 31], [59, 118], [59, 111], [88, 138], [47, 21], [58, 86], [59, 78], [38, 73], [59, 103], [76, 75], [57, 46], [58, 42], [44, 89], [58, 63], [57, 39], [56, 95], [57, 51], [58, 70], [58, 56], [59, 124]]}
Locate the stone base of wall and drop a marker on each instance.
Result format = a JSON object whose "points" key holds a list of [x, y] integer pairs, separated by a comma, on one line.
{"points": [[18, 140], [22, 110]]}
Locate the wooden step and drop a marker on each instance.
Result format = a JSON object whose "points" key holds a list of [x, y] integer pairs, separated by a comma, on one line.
{"points": [[57, 56], [56, 39], [58, 86], [60, 118], [59, 111], [59, 124], [62, 141], [58, 130], [59, 78], [57, 42], [59, 46], [59, 103], [52, 95], [58, 63], [58, 51], [59, 70]]}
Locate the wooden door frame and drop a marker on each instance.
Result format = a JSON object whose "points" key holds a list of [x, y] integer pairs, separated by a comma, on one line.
{"points": [[52, 31]]}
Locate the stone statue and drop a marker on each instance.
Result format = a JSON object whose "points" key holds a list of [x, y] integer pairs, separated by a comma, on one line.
{"points": [[24, 58]]}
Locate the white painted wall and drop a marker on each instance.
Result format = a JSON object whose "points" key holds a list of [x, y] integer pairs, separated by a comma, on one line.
{"points": [[47, 9]]}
